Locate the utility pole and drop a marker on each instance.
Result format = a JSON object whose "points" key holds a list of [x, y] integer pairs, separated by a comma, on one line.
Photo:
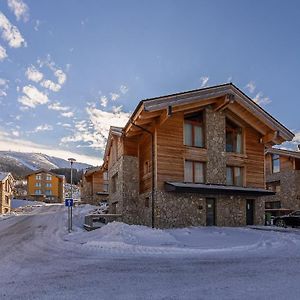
{"points": [[71, 160]]}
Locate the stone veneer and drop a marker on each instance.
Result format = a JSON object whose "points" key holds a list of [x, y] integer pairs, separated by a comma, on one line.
{"points": [[289, 195]]}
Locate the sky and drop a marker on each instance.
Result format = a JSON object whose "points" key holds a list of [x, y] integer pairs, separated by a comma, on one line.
{"points": [[70, 69]]}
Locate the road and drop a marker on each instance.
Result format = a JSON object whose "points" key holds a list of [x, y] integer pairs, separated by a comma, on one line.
{"points": [[38, 261]]}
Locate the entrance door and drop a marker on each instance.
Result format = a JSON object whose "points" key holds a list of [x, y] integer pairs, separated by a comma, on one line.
{"points": [[210, 212], [249, 211]]}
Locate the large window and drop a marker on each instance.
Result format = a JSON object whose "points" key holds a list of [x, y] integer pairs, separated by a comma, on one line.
{"points": [[275, 163], [38, 184], [193, 171], [37, 192], [234, 137], [48, 184], [274, 186], [48, 192], [194, 130], [38, 177], [48, 177], [234, 176]]}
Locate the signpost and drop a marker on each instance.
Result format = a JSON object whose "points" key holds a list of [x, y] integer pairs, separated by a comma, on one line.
{"points": [[69, 204]]}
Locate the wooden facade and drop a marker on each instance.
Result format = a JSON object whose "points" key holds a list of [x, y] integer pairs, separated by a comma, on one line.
{"points": [[155, 136]]}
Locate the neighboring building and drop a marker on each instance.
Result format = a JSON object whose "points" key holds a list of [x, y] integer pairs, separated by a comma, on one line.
{"points": [[94, 186], [6, 192], [198, 154], [283, 177], [43, 185]]}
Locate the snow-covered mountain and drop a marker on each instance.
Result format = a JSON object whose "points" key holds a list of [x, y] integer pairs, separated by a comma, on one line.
{"points": [[21, 162]]}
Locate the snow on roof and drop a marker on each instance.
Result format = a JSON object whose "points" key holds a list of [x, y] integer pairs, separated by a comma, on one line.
{"points": [[3, 175]]}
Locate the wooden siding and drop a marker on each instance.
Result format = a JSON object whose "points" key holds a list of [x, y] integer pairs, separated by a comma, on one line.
{"points": [[170, 151]]}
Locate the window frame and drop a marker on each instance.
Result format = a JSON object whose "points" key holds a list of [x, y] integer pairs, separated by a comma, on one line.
{"points": [[272, 163], [239, 130], [194, 162], [194, 123], [234, 177]]}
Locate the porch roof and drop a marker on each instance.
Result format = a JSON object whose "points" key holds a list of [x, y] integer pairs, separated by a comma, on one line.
{"points": [[215, 189]]}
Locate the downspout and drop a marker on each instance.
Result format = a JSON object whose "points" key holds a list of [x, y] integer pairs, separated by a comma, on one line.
{"points": [[153, 170]]}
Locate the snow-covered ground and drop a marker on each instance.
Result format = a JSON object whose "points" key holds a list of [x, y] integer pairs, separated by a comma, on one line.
{"points": [[15, 203], [41, 260]]}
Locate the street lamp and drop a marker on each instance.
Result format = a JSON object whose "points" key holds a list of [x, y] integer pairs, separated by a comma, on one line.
{"points": [[71, 160]]}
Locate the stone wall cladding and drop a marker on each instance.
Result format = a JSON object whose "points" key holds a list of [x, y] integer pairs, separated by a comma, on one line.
{"points": [[215, 143], [290, 189], [189, 209]]}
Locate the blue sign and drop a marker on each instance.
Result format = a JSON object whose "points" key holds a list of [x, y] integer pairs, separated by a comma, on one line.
{"points": [[69, 202]]}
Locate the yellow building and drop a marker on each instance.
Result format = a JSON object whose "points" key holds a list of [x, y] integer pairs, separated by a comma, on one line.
{"points": [[6, 192], [46, 186]]}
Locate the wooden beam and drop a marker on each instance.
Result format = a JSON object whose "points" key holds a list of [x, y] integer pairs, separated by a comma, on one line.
{"points": [[269, 137]]}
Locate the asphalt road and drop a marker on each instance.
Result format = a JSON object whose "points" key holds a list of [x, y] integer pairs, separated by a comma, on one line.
{"points": [[38, 262]]}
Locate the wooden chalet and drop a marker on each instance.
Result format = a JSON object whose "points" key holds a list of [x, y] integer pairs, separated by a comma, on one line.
{"points": [[192, 158], [282, 177]]}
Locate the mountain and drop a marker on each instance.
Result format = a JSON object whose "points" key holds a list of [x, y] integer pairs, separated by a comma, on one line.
{"points": [[20, 163]]}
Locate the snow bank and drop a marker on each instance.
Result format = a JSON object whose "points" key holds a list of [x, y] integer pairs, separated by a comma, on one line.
{"points": [[15, 203]]}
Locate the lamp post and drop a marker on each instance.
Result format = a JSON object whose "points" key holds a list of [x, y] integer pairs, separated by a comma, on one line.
{"points": [[71, 160]]}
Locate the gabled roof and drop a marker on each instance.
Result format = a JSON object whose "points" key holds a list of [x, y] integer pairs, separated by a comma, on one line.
{"points": [[4, 175], [91, 171], [44, 171], [283, 152], [113, 130], [150, 106]]}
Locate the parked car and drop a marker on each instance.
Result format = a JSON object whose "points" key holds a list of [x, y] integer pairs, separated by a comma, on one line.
{"points": [[292, 219]]}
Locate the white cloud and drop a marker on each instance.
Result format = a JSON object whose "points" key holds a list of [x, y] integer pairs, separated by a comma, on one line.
{"points": [[103, 101], [95, 131], [19, 8], [58, 107], [15, 133], [33, 74], [203, 81], [11, 143], [114, 96], [32, 97], [261, 100], [48, 84], [43, 127], [3, 87], [11, 33], [37, 25], [61, 76], [123, 89], [68, 114], [3, 53], [251, 86]]}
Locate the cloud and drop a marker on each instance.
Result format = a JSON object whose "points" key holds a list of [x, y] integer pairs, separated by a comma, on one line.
{"points": [[19, 8], [203, 81], [48, 84], [16, 133], [61, 76], [103, 101], [11, 33], [3, 53], [3, 87], [8, 142], [43, 127], [114, 96], [93, 133], [123, 89], [37, 25], [58, 107], [261, 100], [32, 97], [251, 87], [68, 114], [33, 74]]}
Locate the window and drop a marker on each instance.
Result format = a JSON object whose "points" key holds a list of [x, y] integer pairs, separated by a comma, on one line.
{"points": [[105, 187], [193, 130], [274, 186], [193, 171], [273, 205], [6, 186], [105, 175], [234, 176], [48, 184], [6, 199], [114, 183], [37, 192], [38, 177], [275, 163], [234, 138], [37, 184], [147, 200], [48, 192], [48, 177], [147, 167]]}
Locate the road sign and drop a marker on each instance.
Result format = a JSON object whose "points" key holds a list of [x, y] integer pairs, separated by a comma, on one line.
{"points": [[69, 202]]}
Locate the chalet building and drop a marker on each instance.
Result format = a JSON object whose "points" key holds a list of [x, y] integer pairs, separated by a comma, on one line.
{"points": [[282, 177], [43, 185], [6, 192], [94, 186], [192, 158]]}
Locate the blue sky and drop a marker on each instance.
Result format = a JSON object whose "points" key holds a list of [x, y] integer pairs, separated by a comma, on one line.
{"points": [[70, 69]]}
